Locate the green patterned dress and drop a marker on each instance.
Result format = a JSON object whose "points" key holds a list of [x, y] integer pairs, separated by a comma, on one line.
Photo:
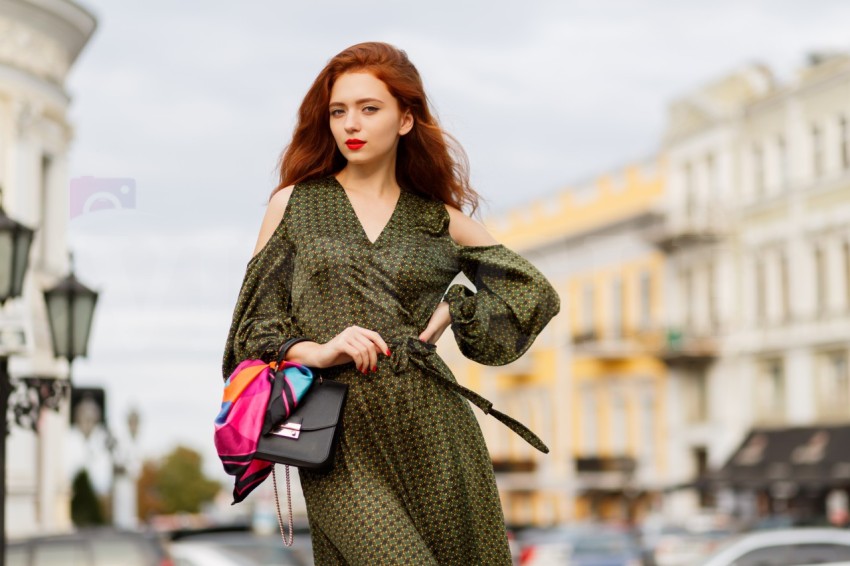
{"points": [[412, 481]]}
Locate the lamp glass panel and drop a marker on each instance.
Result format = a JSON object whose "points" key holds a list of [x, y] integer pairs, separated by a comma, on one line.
{"points": [[21, 260], [6, 267], [83, 313], [57, 308]]}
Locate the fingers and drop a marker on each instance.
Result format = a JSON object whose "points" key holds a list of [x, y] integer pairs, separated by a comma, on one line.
{"points": [[367, 354], [363, 345]]}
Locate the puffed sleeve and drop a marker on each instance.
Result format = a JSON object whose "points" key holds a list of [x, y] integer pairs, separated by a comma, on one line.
{"points": [[514, 301], [262, 318]]}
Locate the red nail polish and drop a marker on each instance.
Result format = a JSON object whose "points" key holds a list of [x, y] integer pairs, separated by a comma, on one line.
{"points": [[388, 352], [374, 369]]}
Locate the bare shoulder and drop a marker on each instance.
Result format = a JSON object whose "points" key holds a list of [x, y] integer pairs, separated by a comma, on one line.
{"points": [[274, 214], [466, 231]]}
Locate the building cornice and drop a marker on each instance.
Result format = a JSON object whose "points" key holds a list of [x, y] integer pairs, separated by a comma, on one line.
{"points": [[66, 23]]}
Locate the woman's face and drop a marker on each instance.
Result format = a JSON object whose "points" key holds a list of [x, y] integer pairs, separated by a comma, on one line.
{"points": [[365, 118]]}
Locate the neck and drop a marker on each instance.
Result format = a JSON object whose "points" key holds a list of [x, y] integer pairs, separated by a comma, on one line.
{"points": [[377, 179]]}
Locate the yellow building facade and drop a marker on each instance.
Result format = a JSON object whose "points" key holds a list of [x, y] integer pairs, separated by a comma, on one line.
{"points": [[593, 384]]}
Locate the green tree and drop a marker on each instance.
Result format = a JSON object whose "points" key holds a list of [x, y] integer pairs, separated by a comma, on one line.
{"points": [[85, 505], [175, 484]]}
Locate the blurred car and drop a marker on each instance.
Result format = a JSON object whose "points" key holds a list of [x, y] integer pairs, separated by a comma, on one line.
{"points": [[680, 547], [89, 547], [202, 554], [579, 545], [245, 548], [543, 546], [606, 548], [784, 547]]}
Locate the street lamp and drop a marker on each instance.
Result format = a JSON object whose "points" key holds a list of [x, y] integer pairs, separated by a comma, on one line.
{"points": [[70, 309], [15, 242]]}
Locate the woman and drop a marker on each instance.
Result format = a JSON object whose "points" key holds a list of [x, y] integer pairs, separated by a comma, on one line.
{"points": [[360, 241]]}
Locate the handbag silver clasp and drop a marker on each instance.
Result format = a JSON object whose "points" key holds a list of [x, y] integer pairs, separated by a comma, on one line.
{"points": [[288, 430]]}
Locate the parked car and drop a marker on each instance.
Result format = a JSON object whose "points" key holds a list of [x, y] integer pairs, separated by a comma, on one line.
{"points": [[89, 547], [681, 547], [609, 547], [543, 546], [203, 554], [785, 547], [243, 547], [579, 545]]}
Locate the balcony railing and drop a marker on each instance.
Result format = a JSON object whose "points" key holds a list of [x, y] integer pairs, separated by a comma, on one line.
{"points": [[669, 344], [591, 344], [676, 230], [683, 346]]}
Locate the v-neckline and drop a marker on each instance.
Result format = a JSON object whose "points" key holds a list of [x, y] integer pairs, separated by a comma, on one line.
{"points": [[357, 218]]}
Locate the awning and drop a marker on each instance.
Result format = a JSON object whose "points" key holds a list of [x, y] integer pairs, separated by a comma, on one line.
{"points": [[810, 456]]}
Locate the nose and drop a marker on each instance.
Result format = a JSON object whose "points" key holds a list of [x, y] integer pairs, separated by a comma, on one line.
{"points": [[352, 122]]}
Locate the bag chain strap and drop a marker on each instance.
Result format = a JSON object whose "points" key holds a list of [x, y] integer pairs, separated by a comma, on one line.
{"points": [[277, 503]]}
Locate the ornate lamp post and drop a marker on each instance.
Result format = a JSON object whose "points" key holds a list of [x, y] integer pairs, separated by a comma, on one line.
{"points": [[15, 241], [70, 310]]}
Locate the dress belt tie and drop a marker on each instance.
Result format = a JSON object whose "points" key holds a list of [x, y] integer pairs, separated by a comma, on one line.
{"points": [[410, 349]]}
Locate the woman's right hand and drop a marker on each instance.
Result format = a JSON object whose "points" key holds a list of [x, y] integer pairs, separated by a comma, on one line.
{"points": [[354, 344]]}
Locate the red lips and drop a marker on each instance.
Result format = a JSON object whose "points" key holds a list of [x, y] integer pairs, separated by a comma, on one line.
{"points": [[354, 144]]}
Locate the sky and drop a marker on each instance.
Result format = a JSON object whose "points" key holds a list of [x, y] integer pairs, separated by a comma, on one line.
{"points": [[190, 104]]}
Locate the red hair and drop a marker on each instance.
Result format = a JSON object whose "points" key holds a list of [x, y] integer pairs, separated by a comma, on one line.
{"points": [[429, 161]]}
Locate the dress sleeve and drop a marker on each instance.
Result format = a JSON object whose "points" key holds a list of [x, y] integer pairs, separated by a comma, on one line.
{"points": [[514, 301], [262, 318]]}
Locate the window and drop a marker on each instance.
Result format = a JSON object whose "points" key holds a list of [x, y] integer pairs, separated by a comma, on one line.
{"points": [[588, 422], [72, 553], [645, 300], [120, 550], [785, 287], [780, 555], [700, 459], [687, 296], [617, 307], [758, 170], [587, 309], [688, 180], [647, 426], [845, 249], [711, 174], [821, 553], [834, 384], [697, 399], [817, 151], [761, 292], [770, 391], [791, 554], [844, 133], [782, 160], [711, 288], [820, 280], [619, 423]]}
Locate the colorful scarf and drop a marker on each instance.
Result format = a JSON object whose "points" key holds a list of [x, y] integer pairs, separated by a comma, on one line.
{"points": [[244, 408]]}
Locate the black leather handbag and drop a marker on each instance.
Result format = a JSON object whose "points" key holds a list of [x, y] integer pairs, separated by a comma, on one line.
{"points": [[307, 438]]}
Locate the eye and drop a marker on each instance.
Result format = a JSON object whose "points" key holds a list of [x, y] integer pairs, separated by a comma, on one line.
{"points": [[370, 109], [337, 112]]}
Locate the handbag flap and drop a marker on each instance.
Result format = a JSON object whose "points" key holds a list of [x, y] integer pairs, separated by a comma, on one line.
{"points": [[322, 405]]}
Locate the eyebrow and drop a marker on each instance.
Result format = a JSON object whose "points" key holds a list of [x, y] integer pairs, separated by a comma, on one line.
{"points": [[360, 101]]}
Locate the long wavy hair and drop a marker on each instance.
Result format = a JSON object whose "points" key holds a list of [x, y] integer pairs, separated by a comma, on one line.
{"points": [[429, 161]]}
